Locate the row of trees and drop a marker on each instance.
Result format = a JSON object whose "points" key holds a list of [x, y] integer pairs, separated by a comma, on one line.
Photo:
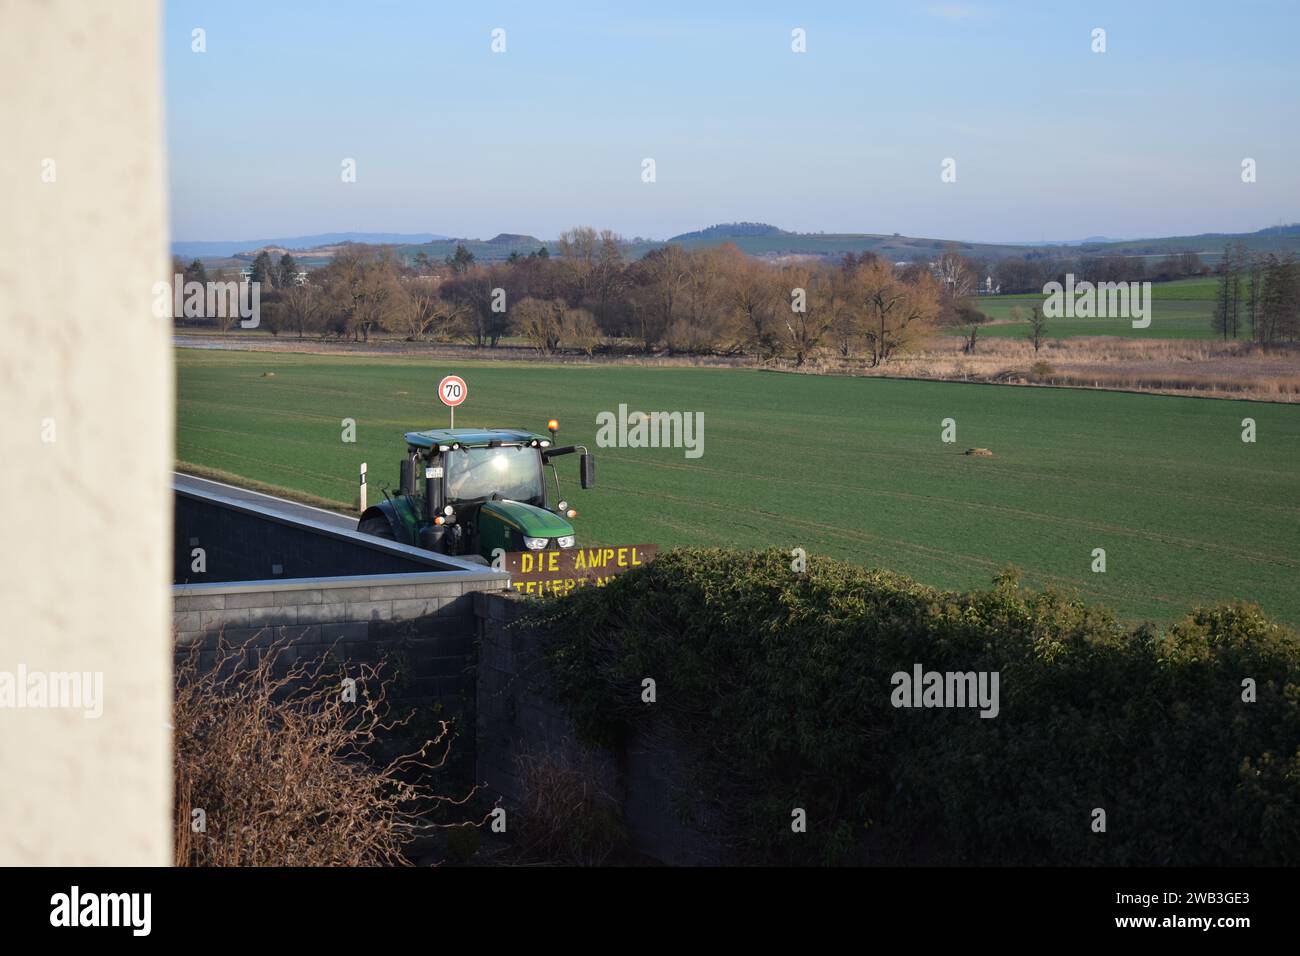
{"points": [[1258, 295], [1031, 273], [589, 295]]}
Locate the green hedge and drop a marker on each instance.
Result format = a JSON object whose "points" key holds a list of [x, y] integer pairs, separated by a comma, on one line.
{"points": [[777, 688]]}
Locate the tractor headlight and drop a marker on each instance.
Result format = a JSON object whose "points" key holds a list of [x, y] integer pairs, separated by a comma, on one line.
{"points": [[566, 541], [535, 544]]}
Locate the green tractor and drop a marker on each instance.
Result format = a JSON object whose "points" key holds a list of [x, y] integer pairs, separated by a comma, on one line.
{"points": [[483, 489]]}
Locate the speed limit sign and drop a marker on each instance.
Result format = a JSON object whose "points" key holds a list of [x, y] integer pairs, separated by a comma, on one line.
{"points": [[453, 390]]}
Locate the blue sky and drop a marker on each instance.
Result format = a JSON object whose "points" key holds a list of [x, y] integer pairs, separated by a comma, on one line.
{"points": [[1051, 140]]}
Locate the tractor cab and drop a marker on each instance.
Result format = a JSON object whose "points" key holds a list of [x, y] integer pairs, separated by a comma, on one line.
{"points": [[472, 491]]}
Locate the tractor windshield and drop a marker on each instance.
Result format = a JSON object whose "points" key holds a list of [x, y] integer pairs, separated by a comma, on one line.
{"points": [[509, 472]]}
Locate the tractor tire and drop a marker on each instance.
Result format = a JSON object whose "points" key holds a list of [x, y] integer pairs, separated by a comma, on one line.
{"points": [[378, 527]]}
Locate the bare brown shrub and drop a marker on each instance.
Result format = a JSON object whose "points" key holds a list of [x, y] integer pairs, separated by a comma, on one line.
{"points": [[280, 764]]}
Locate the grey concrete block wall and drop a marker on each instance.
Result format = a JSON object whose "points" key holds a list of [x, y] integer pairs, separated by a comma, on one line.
{"points": [[424, 631], [666, 819]]}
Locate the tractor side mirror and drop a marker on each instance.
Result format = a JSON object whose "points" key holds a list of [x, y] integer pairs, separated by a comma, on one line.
{"points": [[588, 466], [407, 479]]}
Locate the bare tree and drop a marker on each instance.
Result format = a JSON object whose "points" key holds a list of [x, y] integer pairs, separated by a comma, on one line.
{"points": [[1280, 300], [958, 279], [541, 322], [1227, 305], [1254, 295], [752, 295], [894, 312], [655, 300], [581, 330], [807, 312], [363, 291], [302, 306], [846, 325], [481, 303], [1037, 327], [607, 279], [579, 250], [699, 328], [957, 276], [424, 311], [969, 319], [549, 324]]}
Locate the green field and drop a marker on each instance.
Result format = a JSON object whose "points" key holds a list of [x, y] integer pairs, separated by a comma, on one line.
{"points": [[1180, 310], [848, 467]]}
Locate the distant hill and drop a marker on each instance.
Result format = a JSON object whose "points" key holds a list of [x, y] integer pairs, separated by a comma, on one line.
{"points": [[730, 230], [514, 240], [191, 249], [1067, 242], [1275, 239], [767, 241], [761, 239], [1291, 230]]}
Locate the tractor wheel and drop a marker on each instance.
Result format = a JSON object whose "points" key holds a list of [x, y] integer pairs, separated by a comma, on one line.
{"points": [[378, 527]]}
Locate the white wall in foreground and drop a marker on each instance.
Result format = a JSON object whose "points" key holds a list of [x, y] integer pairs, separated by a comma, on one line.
{"points": [[85, 561]]}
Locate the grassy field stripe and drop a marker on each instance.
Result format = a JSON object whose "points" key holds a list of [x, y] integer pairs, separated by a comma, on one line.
{"points": [[275, 466], [955, 557], [983, 506]]}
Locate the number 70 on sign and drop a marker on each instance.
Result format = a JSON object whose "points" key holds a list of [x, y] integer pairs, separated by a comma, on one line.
{"points": [[452, 390]]}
